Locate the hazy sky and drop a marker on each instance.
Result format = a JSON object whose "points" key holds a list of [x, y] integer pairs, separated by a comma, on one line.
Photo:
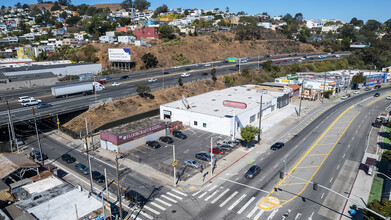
{"points": [[338, 9]]}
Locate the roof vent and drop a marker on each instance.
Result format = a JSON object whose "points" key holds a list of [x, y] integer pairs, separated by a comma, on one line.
{"points": [[213, 100], [249, 97], [229, 95], [248, 89], [216, 110]]}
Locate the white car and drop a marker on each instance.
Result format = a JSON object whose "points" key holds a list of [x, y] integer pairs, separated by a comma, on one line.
{"points": [[152, 80], [185, 75], [207, 64], [388, 97], [24, 98], [177, 67], [244, 61], [30, 103], [116, 84], [357, 92]]}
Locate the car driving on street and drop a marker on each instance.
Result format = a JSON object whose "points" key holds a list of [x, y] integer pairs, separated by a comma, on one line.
{"points": [[68, 158], [44, 105], [183, 75], [277, 146], [115, 84], [81, 168], [252, 172], [152, 80]]}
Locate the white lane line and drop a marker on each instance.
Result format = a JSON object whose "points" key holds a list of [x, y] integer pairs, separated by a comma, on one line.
{"points": [[229, 198], [134, 217], [158, 206], [259, 214], [349, 146], [163, 202], [338, 167], [213, 194], [253, 211], [218, 197], [275, 165], [356, 131], [212, 188], [311, 215], [262, 179], [353, 138], [322, 196], [297, 216], [245, 205], [197, 193], [145, 214], [236, 202], [251, 187], [331, 179], [272, 214], [179, 192], [344, 155], [173, 195], [152, 210], [202, 195], [168, 198]]}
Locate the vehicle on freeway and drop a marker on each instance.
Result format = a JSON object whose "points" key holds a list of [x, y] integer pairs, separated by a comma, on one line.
{"points": [[98, 177], [202, 156], [177, 67], [357, 92], [152, 80], [345, 96], [183, 75], [259, 59], [320, 57], [34, 154], [388, 97], [135, 198], [218, 65], [338, 55], [302, 58], [116, 84], [64, 91], [244, 61], [165, 73], [30, 103], [124, 77], [102, 81], [204, 74], [277, 146], [377, 87], [81, 168], [24, 98], [187, 69], [217, 150], [225, 61], [367, 88], [192, 163], [44, 105], [285, 61], [166, 139], [207, 64], [108, 78], [153, 144], [276, 57], [68, 158], [252, 172], [179, 134], [376, 94]]}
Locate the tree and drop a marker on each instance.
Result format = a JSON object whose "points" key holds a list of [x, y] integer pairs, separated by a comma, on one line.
{"points": [[25, 6], [249, 132], [90, 11], [388, 25], [372, 25], [354, 21], [345, 43], [186, 12], [124, 21], [299, 17], [64, 15], [141, 5], [383, 208], [18, 5], [180, 81], [149, 60], [161, 9], [358, 79], [42, 56], [227, 9], [55, 7], [216, 9], [72, 21], [241, 13], [142, 89], [213, 73], [64, 2], [387, 155], [267, 65], [167, 32], [35, 11], [127, 4]]}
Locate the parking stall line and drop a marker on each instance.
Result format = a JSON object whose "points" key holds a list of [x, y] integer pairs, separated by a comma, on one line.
{"points": [[158, 206], [253, 211], [168, 198], [163, 202], [228, 199], [173, 195], [152, 210], [202, 195], [245, 205], [259, 214], [218, 197], [236, 202], [213, 194]]}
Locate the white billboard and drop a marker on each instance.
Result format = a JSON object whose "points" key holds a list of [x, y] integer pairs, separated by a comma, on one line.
{"points": [[119, 55]]}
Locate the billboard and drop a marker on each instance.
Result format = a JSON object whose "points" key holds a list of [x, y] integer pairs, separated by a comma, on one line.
{"points": [[292, 77], [119, 55], [241, 105], [232, 59]]}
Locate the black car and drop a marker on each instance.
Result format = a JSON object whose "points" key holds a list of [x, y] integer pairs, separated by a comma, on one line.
{"points": [[204, 74], [252, 172], [166, 139], [34, 154], [124, 77], [68, 158], [88, 93], [276, 146], [225, 147], [179, 134], [135, 198], [153, 144], [377, 94], [187, 69], [98, 177], [203, 156], [165, 73]]}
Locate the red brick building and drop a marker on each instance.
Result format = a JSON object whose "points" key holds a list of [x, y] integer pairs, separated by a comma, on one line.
{"points": [[147, 32]]}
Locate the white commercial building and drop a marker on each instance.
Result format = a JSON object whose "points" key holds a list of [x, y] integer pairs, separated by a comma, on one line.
{"points": [[214, 111]]}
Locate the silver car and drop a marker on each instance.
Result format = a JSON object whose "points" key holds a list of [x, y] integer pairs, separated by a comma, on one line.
{"points": [[192, 163]]}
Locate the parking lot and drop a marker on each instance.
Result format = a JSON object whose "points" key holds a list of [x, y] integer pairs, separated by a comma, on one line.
{"points": [[162, 158]]}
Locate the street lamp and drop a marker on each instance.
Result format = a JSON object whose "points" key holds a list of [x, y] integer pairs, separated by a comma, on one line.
{"points": [[174, 163]]}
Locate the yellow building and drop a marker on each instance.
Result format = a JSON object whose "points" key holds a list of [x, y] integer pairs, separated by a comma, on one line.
{"points": [[187, 30], [25, 52]]}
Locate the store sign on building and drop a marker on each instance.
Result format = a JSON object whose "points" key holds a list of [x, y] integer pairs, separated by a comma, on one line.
{"points": [[233, 104]]}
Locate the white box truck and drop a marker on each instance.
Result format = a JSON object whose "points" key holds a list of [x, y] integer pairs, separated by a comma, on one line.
{"points": [[66, 90]]}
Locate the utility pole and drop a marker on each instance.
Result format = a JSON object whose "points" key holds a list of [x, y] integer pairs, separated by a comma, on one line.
{"points": [[163, 77], [324, 86], [258, 60], [12, 128], [88, 156], [173, 153], [211, 156], [39, 141], [301, 94], [94, 87], [107, 186], [118, 187], [10, 138], [260, 118]]}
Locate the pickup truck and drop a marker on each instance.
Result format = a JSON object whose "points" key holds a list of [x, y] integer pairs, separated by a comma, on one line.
{"points": [[31, 102]]}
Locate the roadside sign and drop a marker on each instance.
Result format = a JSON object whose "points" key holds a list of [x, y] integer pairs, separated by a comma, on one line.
{"points": [[108, 208], [175, 163], [292, 77], [232, 59]]}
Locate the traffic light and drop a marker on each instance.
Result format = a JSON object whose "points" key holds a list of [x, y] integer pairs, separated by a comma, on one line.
{"points": [[281, 175], [315, 186]]}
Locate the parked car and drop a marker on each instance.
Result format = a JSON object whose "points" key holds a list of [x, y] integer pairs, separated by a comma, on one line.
{"points": [[116, 84], [217, 150], [225, 147], [179, 134], [228, 142], [192, 163], [345, 96], [377, 94], [277, 146], [34, 154], [252, 172], [124, 77], [367, 88], [152, 80], [135, 198], [44, 105], [81, 168], [166, 139], [388, 97], [357, 92], [19, 142], [183, 75], [276, 57], [68, 158], [377, 87], [203, 156], [285, 61], [98, 177], [153, 144], [244, 61]]}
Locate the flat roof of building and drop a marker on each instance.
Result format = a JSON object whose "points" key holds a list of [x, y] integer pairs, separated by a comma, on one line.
{"points": [[28, 77], [10, 70], [43, 185], [134, 126], [211, 103]]}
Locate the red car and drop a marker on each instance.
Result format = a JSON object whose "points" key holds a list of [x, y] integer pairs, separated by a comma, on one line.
{"points": [[217, 150], [260, 60], [102, 81], [276, 57], [277, 62], [284, 61]]}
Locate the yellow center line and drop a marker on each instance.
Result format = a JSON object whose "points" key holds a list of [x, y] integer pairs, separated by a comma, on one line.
{"points": [[303, 167], [313, 155], [291, 184], [326, 144]]}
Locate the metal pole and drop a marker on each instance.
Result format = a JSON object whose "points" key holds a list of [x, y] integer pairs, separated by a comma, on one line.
{"points": [[39, 141], [173, 153], [258, 60], [12, 128], [233, 125], [163, 77], [88, 156], [211, 156], [324, 86], [94, 87], [260, 118], [118, 188], [103, 207], [9, 136], [301, 94], [107, 186]]}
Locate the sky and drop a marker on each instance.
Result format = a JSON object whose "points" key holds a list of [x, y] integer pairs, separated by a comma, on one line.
{"points": [[343, 10]]}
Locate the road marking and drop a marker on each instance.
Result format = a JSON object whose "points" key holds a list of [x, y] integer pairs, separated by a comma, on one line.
{"points": [[218, 197], [243, 185], [259, 214], [253, 211], [349, 146], [152, 210], [163, 202], [229, 198], [275, 165], [145, 214], [158, 206], [338, 167], [322, 196], [272, 214], [262, 179], [311, 215], [212, 188], [245, 205], [213, 194], [173, 195], [236, 202], [197, 193], [168, 198], [202, 195], [297, 216], [179, 192], [344, 155], [134, 216], [331, 179]]}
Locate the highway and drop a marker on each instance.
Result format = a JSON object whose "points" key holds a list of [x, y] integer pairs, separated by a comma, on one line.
{"points": [[127, 87]]}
